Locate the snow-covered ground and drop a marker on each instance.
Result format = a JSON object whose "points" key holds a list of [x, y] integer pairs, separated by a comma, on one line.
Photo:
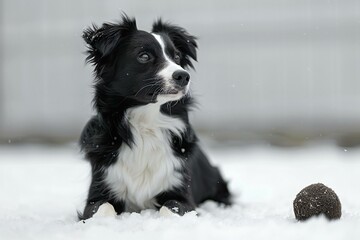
{"points": [[42, 187]]}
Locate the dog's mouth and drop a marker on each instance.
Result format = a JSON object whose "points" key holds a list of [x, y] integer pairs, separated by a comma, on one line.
{"points": [[172, 91], [166, 92]]}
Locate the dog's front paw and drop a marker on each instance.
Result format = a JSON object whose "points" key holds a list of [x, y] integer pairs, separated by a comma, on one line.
{"points": [[97, 209], [172, 207], [166, 212], [105, 210]]}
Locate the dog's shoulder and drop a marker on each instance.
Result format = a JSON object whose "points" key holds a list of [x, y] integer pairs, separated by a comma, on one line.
{"points": [[92, 129], [99, 143]]}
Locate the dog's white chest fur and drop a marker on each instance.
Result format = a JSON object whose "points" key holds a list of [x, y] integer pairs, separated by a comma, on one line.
{"points": [[149, 166]]}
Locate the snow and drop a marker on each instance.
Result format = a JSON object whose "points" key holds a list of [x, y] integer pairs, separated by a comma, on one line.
{"points": [[41, 188]]}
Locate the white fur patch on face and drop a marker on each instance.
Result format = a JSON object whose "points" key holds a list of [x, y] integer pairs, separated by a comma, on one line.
{"points": [[169, 68], [105, 210], [149, 167]]}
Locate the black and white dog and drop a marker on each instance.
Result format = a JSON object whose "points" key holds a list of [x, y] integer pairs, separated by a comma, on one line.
{"points": [[142, 149]]}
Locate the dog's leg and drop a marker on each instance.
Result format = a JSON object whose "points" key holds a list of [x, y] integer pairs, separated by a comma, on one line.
{"points": [[100, 203], [207, 182]]}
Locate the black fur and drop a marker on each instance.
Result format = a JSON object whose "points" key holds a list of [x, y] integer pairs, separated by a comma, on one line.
{"points": [[113, 49]]}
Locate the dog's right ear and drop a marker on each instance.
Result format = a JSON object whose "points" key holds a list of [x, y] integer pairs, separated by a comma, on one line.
{"points": [[101, 41], [182, 40]]}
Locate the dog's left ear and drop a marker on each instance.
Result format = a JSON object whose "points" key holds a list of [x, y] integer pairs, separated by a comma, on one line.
{"points": [[182, 40]]}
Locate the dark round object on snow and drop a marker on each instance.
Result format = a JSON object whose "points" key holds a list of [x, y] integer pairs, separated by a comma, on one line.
{"points": [[317, 199]]}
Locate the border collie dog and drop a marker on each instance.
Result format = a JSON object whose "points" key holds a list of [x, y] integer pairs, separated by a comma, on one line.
{"points": [[142, 149]]}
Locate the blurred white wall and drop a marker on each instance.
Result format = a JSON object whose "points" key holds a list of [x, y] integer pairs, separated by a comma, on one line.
{"points": [[264, 65]]}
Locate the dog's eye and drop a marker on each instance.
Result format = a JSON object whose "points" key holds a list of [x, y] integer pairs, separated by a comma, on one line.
{"points": [[177, 57], [144, 57]]}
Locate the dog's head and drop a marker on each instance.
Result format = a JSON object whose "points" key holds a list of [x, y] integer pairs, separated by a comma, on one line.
{"points": [[138, 65]]}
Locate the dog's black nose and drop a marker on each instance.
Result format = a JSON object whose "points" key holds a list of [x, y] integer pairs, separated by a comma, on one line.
{"points": [[181, 77]]}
